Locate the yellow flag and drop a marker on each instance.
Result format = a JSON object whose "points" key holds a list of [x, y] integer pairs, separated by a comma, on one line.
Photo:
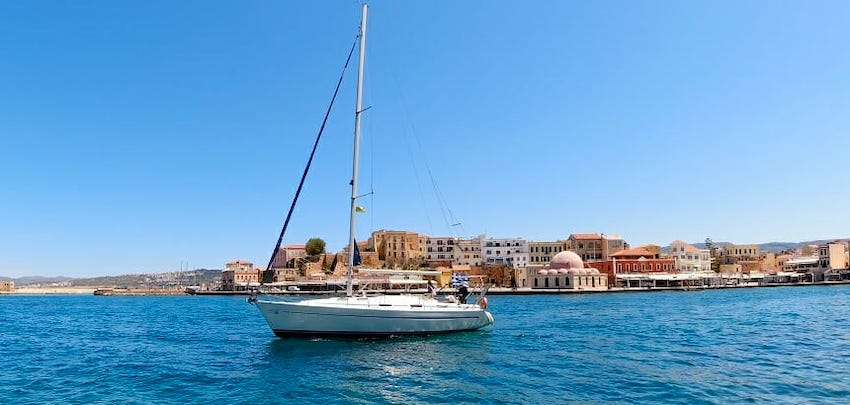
{"points": [[358, 208]]}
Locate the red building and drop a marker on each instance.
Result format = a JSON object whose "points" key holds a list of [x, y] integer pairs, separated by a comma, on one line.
{"points": [[638, 260]]}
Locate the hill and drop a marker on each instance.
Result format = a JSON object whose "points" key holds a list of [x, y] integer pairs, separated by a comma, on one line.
{"points": [[153, 280], [776, 247]]}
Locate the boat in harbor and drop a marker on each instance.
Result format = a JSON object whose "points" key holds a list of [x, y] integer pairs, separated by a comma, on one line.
{"points": [[358, 313]]}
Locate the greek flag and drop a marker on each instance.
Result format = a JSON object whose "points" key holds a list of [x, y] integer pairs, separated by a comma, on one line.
{"points": [[460, 280]]}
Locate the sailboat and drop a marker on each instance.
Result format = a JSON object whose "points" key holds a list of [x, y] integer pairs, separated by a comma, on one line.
{"points": [[359, 314]]}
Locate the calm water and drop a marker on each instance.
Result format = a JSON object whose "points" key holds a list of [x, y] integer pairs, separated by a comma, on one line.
{"points": [[783, 345]]}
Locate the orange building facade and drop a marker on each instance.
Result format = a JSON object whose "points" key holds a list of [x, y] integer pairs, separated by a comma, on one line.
{"points": [[636, 260]]}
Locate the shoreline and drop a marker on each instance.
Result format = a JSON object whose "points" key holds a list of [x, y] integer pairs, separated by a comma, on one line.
{"points": [[106, 291], [533, 291]]}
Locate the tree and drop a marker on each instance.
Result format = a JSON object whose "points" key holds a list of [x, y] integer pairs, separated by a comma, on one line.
{"points": [[315, 246], [712, 251]]}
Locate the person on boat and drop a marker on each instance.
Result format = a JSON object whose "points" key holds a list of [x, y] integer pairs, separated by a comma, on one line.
{"points": [[432, 289], [463, 291]]}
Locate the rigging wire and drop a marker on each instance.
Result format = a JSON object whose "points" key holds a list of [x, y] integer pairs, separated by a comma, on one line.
{"points": [[312, 153], [445, 212]]}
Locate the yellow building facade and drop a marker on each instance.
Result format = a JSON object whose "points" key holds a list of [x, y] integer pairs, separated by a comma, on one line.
{"points": [[397, 245]]}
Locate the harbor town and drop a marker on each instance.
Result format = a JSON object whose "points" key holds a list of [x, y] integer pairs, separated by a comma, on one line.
{"points": [[580, 263], [583, 262]]}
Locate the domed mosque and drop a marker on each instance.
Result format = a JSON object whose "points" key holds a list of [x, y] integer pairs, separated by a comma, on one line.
{"points": [[567, 271]]}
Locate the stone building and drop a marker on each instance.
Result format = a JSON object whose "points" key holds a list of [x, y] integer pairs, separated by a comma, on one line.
{"points": [[747, 256], [541, 253], [397, 246], [240, 275], [595, 246], [566, 271]]}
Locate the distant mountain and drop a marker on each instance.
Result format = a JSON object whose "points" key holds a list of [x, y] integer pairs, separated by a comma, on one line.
{"points": [[776, 247], [154, 280], [30, 280]]}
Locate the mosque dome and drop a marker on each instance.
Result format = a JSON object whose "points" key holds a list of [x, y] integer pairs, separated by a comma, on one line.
{"points": [[566, 260]]}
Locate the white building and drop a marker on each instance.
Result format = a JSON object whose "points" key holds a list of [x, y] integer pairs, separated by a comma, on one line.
{"points": [[440, 248], [689, 259], [512, 252], [468, 251]]}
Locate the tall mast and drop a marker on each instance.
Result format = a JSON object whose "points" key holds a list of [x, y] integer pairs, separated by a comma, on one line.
{"points": [[357, 110]]}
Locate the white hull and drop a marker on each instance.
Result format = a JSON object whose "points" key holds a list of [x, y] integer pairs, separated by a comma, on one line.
{"points": [[371, 316]]}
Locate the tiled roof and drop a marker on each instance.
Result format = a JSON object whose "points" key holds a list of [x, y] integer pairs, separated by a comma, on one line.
{"points": [[691, 249], [586, 236], [633, 252]]}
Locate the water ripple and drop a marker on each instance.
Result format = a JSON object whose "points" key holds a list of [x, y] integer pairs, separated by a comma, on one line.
{"points": [[776, 345]]}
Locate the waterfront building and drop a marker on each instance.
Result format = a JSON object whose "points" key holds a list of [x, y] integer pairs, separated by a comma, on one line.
{"points": [[826, 262], [630, 261], [688, 258], [239, 275], [468, 251], [831, 256], [654, 249], [731, 269], [745, 255], [440, 251], [595, 246], [641, 261], [7, 286], [781, 259], [802, 264], [397, 246], [768, 263], [512, 252], [566, 271], [541, 253], [287, 254]]}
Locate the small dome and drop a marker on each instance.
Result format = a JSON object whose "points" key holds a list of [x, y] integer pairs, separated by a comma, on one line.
{"points": [[562, 271], [592, 271], [542, 272], [573, 272], [566, 260]]}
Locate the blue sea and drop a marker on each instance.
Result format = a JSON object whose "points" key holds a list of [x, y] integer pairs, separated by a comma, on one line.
{"points": [[763, 345]]}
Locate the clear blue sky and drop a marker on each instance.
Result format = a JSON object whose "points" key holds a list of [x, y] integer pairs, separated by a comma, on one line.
{"points": [[139, 134]]}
